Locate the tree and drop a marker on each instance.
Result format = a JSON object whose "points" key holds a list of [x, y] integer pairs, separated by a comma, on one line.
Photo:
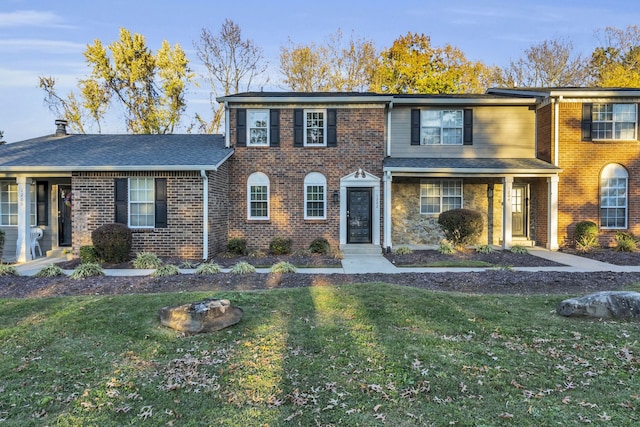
{"points": [[149, 88], [2, 141], [616, 63], [231, 62], [551, 63], [343, 66], [413, 65]]}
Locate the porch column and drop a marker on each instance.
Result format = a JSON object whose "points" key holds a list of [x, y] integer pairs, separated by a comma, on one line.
{"points": [[23, 250], [388, 178], [552, 213], [507, 185]]}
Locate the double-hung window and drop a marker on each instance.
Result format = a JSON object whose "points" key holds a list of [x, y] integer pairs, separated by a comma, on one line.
{"points": [[141, 202], [315, 130], [258, 127], [613, 197], [315, 196], [437, 196], [441, 127], [258, 196], [9, 203], [610, 122]]}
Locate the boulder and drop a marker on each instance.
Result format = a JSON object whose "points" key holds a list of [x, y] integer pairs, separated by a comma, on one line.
{"points": [[610, 304], [208, 315]]}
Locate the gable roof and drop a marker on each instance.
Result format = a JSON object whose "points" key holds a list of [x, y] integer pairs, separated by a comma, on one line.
{"points": [[115, 153]]}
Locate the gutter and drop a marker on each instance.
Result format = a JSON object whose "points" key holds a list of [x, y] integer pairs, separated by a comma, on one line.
{"points": [[205, 214], [556, 120]]}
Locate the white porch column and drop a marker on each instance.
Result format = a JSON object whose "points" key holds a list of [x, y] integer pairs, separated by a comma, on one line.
{"points": [[552, 214], [23, 250], [386, 221], [507, 185]]}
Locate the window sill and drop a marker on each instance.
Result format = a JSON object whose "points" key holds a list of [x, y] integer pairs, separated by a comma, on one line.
{"points": [[142, 230], [612, 141], [315, 220], [258, 221]]}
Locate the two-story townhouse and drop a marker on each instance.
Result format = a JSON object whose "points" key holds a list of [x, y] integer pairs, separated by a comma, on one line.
{"points": [[306, 166], [468, 151], [592, 134]]}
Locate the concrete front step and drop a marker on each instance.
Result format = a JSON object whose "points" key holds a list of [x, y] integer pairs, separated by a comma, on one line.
{"points": [[361, 249]]}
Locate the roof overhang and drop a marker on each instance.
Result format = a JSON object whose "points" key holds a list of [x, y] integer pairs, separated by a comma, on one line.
{"points": [[465, 101], [481, 168], [384, 99]]}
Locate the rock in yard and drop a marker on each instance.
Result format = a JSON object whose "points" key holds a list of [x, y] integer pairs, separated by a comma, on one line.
{"points": [[609, 304], [208, 315]]}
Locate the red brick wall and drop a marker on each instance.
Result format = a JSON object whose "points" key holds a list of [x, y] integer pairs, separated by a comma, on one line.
{"points": [[544, 134], [218, 209], [360, 145], [93, 199], [582, 162]]}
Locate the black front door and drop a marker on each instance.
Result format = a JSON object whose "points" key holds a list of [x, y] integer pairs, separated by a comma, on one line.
{"points": [[358, 215], [64, 215]]}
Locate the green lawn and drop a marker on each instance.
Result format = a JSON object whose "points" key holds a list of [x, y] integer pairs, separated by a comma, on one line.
{"points": [[361, 355]]}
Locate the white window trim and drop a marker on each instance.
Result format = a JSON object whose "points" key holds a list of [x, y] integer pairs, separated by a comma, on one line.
{"points": [[324, 129], [258, 179], [615, 171], [32, 198], [249, 127], [130, 202], [613, 123], [441, 143], [317, 179], [439, 182]]}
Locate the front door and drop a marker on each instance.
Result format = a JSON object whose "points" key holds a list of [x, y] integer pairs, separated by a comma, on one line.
{"points": [[64, 215], [358, 215], [519, 211]]}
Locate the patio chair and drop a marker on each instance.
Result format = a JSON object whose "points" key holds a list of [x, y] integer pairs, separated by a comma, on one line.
{"points": [[36, 235]]}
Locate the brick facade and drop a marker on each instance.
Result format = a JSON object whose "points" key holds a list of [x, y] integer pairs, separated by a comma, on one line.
{"points": [[361, 137]]}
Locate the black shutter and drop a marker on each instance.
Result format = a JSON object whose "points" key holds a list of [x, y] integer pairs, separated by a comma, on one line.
{"points": [[467, 130], [415, 127], [274, 128], [587, 110], [332, 128], [298, 127], [241, 127], [42, 202], [638, 121], [161, 202], [122, 188]]}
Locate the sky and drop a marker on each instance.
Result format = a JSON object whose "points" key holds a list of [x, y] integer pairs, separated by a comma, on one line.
{"points": [[48, 37]]}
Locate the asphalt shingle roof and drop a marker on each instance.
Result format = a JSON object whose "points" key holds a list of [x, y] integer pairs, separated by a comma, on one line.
{"points": [[480, 165], [115, 152]]}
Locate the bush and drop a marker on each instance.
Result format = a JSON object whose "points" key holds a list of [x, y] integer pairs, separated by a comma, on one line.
{"points": [[484, 249], [89, 269], [519, 249], [587, 243], [461, 226], [1, 242], [237, 246], [625, 242], [208, 269], [320, 246], [50, 271], [166, 270], [446, 248], [403, 250], [243, 267], [280, 246], [8, 270], [283, 267], [88, 254], [112, 242], [586, 236], [145, 260]]}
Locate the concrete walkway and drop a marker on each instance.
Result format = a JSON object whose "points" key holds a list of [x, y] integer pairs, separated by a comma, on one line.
{"points": [[367, 263]]}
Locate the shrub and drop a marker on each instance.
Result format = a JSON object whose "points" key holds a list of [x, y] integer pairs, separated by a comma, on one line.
{"points": [[446, 248], [625, 242], [8, 270], [519, 249], [587, 243], [280, 246], [146, 260], [283, 267], [586, 236], [88, 254], [320, 246], [484, 249], [461, 226], [1, 242], [112, 242], [188, 264], [237, 246], [403, 250], [50, 271], [208, 269], [166, 270], [89, 269], [243, 267]]}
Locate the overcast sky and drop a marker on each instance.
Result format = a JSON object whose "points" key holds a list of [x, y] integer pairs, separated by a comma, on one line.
{"points": [[47, 37]]}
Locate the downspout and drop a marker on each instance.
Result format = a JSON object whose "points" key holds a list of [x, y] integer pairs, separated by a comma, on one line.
{"points": [[389, 129], [227, 142], [556, 121], [205, 214]]}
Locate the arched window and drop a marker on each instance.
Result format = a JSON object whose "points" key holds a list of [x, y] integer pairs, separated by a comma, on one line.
{"points": [[258, 196], [315, 196], [613, 196]]}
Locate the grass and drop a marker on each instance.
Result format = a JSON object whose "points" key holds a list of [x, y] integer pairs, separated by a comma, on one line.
{"points": [[367, 354]]}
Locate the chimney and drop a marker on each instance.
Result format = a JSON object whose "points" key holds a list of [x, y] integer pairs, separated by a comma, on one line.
{"points": [[61, 127]]}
